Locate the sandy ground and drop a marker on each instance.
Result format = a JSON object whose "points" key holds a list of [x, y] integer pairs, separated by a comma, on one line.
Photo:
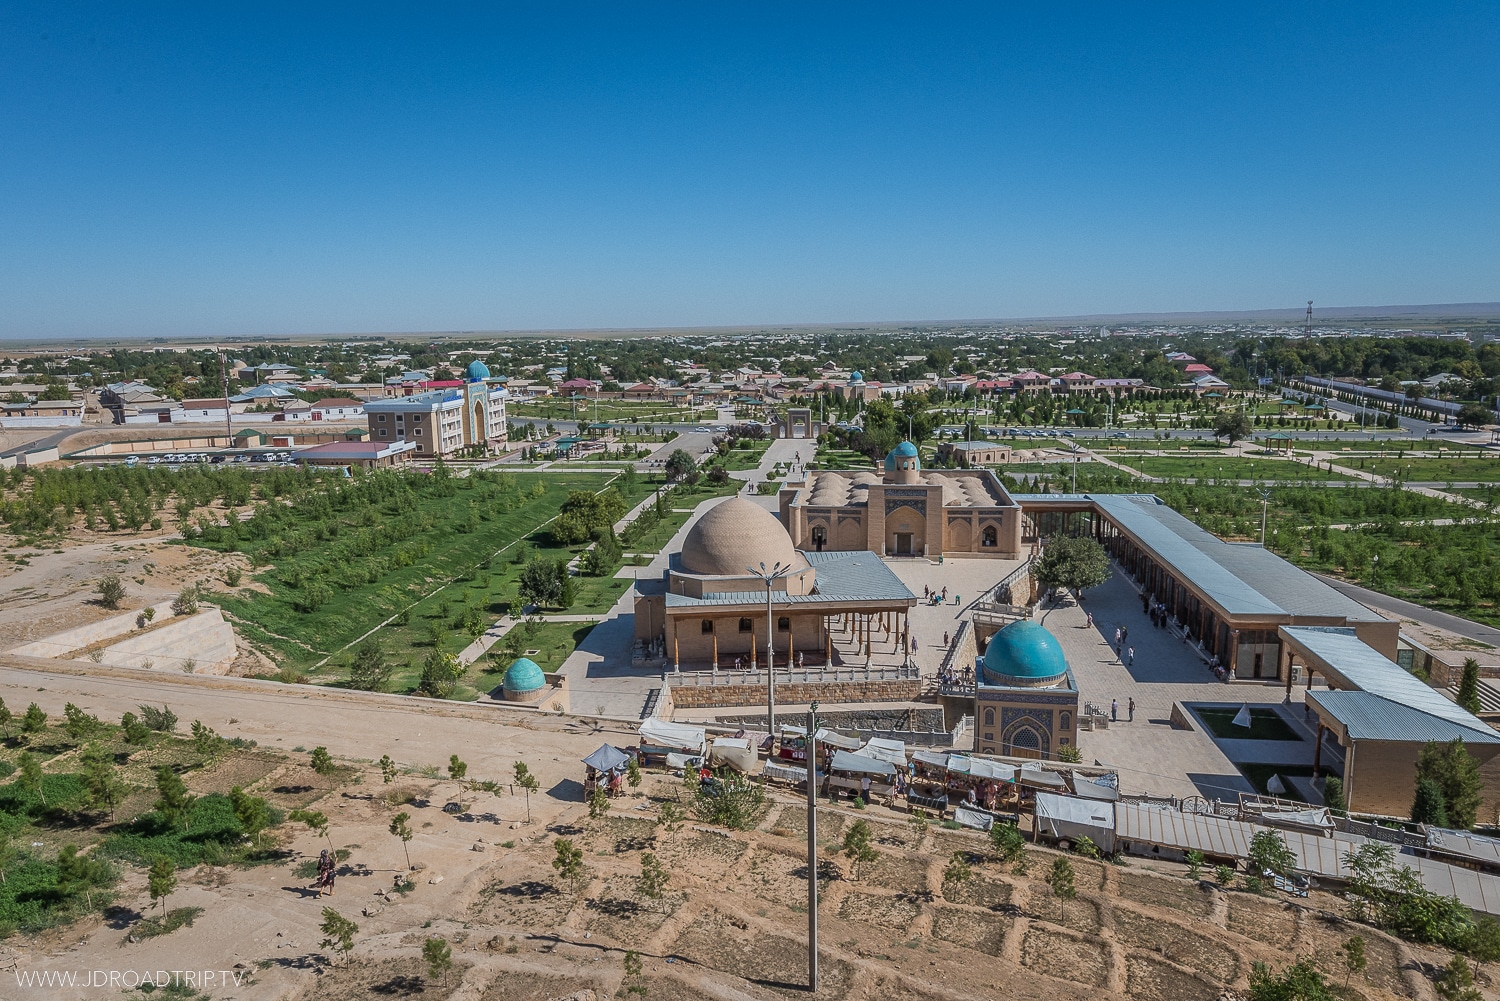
{"points": [[731, 925]]}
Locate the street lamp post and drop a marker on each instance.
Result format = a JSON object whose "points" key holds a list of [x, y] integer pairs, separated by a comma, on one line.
{"points": [[1265, 502], [812, 848], [770, 577]]}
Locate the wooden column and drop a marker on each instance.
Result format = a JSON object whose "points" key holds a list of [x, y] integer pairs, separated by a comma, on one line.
{"points": [[716, 646], [791, 643], [1318, 751]]}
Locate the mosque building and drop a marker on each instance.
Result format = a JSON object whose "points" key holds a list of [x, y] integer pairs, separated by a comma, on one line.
{"points": [[1026, 702], [708, 609], [444, 420], [903, 510]]}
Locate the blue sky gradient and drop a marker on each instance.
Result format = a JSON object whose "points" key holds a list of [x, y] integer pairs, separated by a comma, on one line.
{"points": [[184, 170]]}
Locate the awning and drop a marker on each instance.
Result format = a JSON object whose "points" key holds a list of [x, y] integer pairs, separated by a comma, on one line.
{"points": [[1038, 779], [837, 740], [1067, 817], [1315, 819], [1085, 788], [738, 752], [858, 764], [660, 733], [976, 819], [934, 759], [982, 769], [607, 758], [684, 761], [881, 749], [790, 773]]}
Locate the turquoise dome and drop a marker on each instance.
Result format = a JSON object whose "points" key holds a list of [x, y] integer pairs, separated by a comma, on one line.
{"points": [[477, 371], [1024, 654], [523, 676], [856, 376], [905, 450]]}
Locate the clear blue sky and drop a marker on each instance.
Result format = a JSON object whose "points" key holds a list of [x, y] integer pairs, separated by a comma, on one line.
{"points": [[205, 169]]}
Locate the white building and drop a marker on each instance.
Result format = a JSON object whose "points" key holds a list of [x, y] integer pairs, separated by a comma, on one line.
{"points": [[445, 420]]}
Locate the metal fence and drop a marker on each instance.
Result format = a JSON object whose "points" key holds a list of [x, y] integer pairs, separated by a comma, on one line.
{"points": [[795, 675]]}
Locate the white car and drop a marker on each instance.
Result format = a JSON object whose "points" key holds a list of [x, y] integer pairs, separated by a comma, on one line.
{"points": [[700, 430]]}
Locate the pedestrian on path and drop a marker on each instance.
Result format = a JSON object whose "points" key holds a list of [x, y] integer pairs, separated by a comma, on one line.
{"points": [[1130, 657], [1117, 636], [1124, 633], [1089, 619], [1114, 710], [1131, 709]]}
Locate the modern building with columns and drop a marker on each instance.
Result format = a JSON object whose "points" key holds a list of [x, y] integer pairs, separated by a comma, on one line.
{"points": [[903, 510], [708, 610]]}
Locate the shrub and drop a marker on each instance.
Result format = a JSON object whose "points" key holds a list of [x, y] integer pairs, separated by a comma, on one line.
{"points": [[186, 602], [161, 720], [111, 590]]}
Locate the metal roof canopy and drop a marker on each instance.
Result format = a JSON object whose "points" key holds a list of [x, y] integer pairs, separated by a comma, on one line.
{"points": [[1382, 701]]}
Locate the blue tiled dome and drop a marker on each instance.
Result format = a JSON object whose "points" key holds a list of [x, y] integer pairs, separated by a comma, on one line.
{"points": [[1024, 654], [905, 450], [523, 676], [477, 371], [856, 376]]}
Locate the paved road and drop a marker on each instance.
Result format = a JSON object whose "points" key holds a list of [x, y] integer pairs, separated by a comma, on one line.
{"points": [[36, 443], [1441, 620]]}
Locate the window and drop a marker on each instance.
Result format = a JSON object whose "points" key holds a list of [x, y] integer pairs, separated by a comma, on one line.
{"points": [[420, 448], [745, 626], [989, 717], [384, 433], [783, 624], [1067, 722], [416, 417], [708, 625], [988, 736], [381, 418], [417, 432], [988, 538], [819, 535]]}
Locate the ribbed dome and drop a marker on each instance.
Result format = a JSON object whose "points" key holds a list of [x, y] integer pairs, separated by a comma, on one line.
{"points": [[523, 676], [905, 450], [1024, 654], [734, 535], [477, 371], [856, 376]]}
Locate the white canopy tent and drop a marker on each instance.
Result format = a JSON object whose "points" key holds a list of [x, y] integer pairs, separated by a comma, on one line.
{"points": [[1065, 817]]}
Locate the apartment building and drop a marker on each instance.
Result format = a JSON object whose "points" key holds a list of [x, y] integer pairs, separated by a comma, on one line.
{"points": [[442, 421]]}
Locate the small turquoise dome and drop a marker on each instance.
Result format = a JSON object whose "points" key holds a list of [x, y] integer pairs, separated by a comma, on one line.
{"points": [[477, 371], [523, 676], [904, 451], [1024, 654], [856, 376]]}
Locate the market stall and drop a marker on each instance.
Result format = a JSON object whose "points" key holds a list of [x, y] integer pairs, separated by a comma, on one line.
{"points": [[859, 775], [605, 766], [660, 738], [1067, 818], [738, 753]]}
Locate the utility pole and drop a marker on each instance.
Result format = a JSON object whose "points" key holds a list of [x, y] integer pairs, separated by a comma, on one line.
{"points": [[1307, 327], [1265, 502], [224, 384], [770, 577], [812, 848]]}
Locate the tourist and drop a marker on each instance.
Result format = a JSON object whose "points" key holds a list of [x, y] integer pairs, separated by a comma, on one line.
{"points": [[864, 788], [1130, 708], [327, 869], [1114, 710], [1130, 657], [945, 594], [1088, 618], [1117, 637], [945, 640], [1124, 633]]}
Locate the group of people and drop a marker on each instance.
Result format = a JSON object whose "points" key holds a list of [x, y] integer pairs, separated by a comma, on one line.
{"points": [[934, 596], [1155, 611], [954, 676], [613, 782], [1114, 710]]}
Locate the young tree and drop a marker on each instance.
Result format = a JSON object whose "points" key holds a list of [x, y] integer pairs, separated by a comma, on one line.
{"points": [[958, 872], [172, 799], [315, 821], [401, 829], [438, 955], [1456, 772], [387, 769], [31, 778], [1457, 982], [1224, 874], [652, 881], [6, 717], [111, 590], [1060, 878], [35, 721], [598, 803], [105, 789], [1301, 981], [136, 732], [1333, 796], [161, 720], [528, 783], [1468, 686], [440, 673], [161, 881], [1484, 940], [671, 818], [370, 671], [77, 873], [80, 725], [1007, 841], [633, 773], [1427, 806], [206, 740], [456, 768], [1195, 864], [186, 602], [1353, 953], [338, 932], [253, 812], [1076, 563], [569, 861], [917, 823], [539, 583], [857, 846], [1269, 853], [321, 761]]}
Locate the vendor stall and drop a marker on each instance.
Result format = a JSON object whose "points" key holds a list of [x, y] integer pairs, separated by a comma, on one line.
{"points": [[792, 774], [860, 775], [660, 738], [738, 753], [1067, 818], [882, 749], [606, 766]]}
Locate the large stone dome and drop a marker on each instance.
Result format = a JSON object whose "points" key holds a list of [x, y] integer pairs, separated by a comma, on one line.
{"points": [[734, 535], [1026, 655]]}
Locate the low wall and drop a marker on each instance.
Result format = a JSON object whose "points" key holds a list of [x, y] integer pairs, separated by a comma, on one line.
{"points": [[203, 640], [793, 693], [63, 643]]}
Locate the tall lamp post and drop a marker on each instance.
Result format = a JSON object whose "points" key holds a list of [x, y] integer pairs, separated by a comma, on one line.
{"points": [[1265, 502], [812, 848], [770, 577]]}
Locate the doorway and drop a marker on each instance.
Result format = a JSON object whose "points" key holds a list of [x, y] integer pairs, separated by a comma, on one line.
{"points": [[903, 543]]}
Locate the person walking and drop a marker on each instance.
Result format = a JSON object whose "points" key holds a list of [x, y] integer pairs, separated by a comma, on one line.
{"points": [[1088, 618], [1118, 634], [1130, 709], [1130, 657], [1124, 633], [327, 869], [1114, 710]]}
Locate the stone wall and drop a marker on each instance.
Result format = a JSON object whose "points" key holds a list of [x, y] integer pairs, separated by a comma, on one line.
{"points": [[793, 693]]}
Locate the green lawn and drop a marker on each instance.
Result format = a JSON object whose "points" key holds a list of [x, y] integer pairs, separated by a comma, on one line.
{"points": [[1215, 467], [1440, 470], [1265, 724], [747, 456]]}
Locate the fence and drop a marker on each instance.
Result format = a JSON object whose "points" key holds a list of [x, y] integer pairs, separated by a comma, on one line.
{"points": [[795, 675]]}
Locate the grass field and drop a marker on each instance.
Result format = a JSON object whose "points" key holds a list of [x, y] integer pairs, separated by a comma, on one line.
{"points": [[1216, 467], [1265, 724], [1442, 470]]}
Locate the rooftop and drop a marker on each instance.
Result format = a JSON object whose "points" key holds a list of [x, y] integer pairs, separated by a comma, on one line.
{"points": [[961, 488], [842, 576]]}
